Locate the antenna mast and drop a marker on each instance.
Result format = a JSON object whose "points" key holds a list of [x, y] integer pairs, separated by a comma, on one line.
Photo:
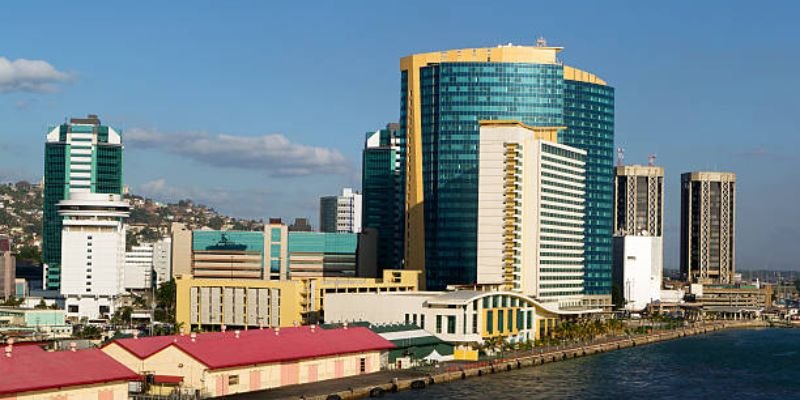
{"points": [[620, 156], [651, 160]]}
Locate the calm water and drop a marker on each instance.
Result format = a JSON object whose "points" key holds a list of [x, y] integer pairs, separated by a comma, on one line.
{"points": [[734, 364]]}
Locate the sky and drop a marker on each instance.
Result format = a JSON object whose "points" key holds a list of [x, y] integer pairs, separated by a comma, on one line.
{"points": [[259, 108]]}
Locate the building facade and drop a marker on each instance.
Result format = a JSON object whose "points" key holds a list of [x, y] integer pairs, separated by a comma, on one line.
{"points": [[708, 227], [340, 214], [8, 269], [443, 96], [211, 303], [80, 156], [464, 316], [162, 259], [638, 235], [93, 253], [531, 199], [381, 184], [139, 267]]}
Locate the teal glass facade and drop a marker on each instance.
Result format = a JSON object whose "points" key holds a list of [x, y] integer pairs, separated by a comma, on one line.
{"points": [[589, 116], [382, 200], [454, 97]]}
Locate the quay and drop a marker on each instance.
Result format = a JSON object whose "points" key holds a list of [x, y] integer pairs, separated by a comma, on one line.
{"points": [[380, 383]]}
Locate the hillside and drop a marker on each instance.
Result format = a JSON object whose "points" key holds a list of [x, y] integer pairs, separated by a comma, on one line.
{"points": [[21, 218]]}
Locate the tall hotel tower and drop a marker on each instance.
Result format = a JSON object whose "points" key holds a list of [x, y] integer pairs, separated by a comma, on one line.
{"points": [[708, 221], [443, 95], [81, 156], [638, 235], [531, 200]]}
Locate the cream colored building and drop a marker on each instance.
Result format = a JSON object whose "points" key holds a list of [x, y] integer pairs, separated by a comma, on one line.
{"points": [[531, 213], [211, 303], [464, 316], [254, 360]]}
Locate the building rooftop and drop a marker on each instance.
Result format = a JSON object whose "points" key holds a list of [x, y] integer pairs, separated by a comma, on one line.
{"points": [[31, 369], [224, 349]]}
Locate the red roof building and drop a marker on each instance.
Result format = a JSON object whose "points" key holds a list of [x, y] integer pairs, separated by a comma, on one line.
{"points": [[230, 362], [29, 370]]}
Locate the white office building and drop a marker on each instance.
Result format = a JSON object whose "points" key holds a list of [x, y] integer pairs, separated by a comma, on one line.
{"points": [[340, 214], [638, 235], [139, 267], [531, 196], [93, 253], [162, 260]]}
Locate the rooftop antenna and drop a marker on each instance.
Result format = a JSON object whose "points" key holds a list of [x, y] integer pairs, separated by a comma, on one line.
{"points": [[541, 42], [651, 160], [620, 156]]}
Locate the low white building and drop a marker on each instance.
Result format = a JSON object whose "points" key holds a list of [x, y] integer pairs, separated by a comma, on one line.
{"points": [[465, 316], [638, 269], [139, 267], [93, 253]]}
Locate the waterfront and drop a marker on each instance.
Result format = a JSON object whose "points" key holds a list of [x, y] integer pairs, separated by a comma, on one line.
{"points": [[737, 363]]}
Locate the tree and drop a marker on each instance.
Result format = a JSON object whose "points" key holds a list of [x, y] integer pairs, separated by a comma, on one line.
{"points": [[12, 302], [165, 301], [122, 316], [90, 332], [42, 305]]}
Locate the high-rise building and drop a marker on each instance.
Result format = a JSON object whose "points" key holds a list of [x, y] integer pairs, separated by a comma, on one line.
{"points": [[93, 252], [531, 200], [80, 156], [443, 95], [708, 227], [638, 235], [340, 214], [8, 269], [139, 267], [300, 225], [382, 193]]}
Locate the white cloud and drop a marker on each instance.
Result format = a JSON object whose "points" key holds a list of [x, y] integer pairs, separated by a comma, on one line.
{"points": [[273, 153], [23, 75]]}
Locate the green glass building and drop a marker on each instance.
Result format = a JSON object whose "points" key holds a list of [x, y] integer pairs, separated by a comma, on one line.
{"points": [[444, 95], [80, 156], [381, 189]]}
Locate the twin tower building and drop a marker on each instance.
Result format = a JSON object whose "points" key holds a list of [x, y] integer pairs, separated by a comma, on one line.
{"points": [[501, 172]]}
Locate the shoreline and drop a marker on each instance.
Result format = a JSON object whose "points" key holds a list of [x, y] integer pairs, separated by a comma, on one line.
{"points": [[379, 386]]}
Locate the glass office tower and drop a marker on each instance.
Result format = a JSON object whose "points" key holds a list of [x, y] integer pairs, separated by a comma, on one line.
{"points": [[444, 95], [79, 156]]}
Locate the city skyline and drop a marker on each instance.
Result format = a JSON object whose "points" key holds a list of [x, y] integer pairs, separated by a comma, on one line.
{"points": [[236, 157]]}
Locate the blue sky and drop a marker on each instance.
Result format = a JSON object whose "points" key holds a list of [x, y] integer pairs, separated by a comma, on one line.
{"points": [[258, 108]]}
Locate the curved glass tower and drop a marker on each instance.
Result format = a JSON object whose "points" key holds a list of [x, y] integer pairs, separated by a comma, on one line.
{"points": [[444, 95]]}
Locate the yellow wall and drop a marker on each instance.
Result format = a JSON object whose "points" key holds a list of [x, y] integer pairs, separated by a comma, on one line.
{"points": [[116, 391], [290, 309]]}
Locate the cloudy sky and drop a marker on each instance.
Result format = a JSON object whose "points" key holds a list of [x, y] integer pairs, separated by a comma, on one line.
{"points": [[258, 109]]}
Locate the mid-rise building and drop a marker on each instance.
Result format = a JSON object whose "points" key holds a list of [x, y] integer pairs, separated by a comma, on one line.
{"points": [[93, 253], [708, 222], [382, 191], [211, 303], [8, 268], [638, 235], [443, 96], [139, 267], [531, 199], [340, 214], [81, 156], [162, 260]]}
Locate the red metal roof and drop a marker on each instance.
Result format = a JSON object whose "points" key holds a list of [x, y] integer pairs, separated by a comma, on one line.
{"points": [[30, 370], [224, 350]]}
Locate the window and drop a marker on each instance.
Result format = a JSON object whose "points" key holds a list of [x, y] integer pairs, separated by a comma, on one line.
{"points": [[415, 319], [451, 324], [474, 323], [500, 320], [233, 380], [438, 324], [362, 365], [72, 309], [490, 322], [422, 321], [408, 319]]}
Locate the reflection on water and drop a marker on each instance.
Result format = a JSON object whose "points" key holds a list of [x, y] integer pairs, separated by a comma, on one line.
{"points": [[734, 364]]}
